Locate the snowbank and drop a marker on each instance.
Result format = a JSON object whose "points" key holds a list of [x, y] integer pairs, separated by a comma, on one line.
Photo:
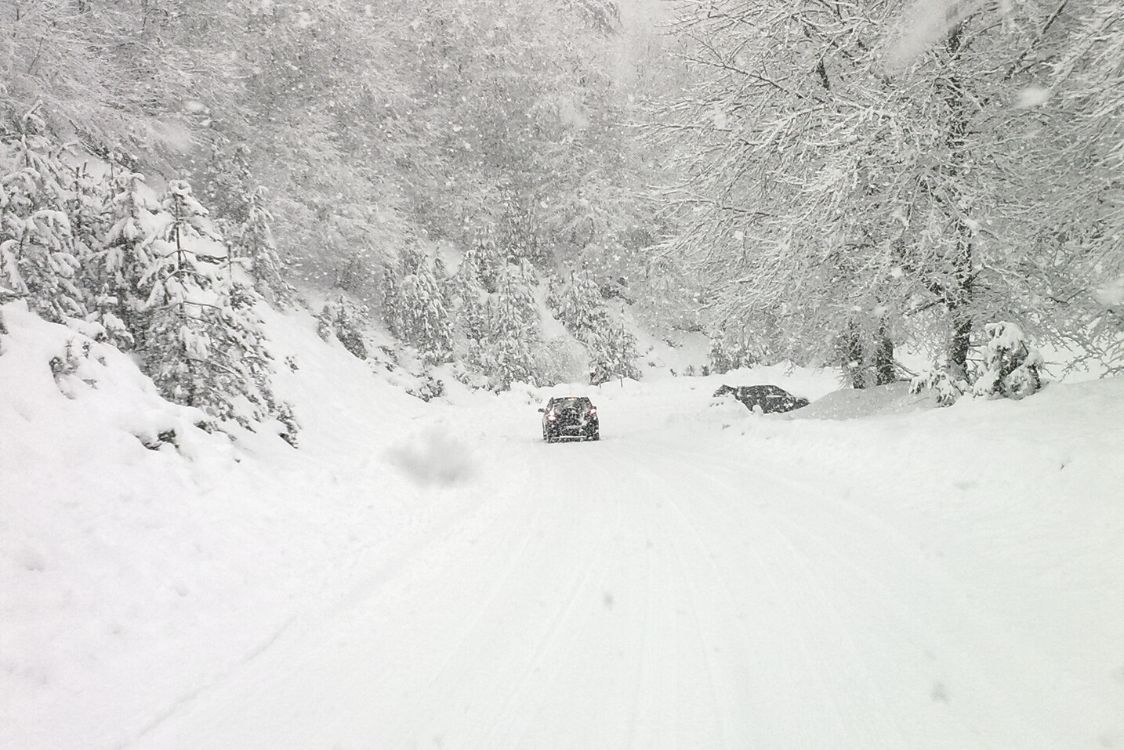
{"points": [[142, 558]]}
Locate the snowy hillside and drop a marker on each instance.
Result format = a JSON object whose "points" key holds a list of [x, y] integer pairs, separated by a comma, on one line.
{"points": [[433, 574]]}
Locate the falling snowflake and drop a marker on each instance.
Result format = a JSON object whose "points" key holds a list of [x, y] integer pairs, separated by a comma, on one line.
{"points": [[1032, 96]]}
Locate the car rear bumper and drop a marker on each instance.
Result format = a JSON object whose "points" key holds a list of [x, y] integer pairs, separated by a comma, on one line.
{"points": [[572, 430]]}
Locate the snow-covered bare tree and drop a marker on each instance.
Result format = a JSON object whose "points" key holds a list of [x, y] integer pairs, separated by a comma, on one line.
{"points": [[844, 187]]}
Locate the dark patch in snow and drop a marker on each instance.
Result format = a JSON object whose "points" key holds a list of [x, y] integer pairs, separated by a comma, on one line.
{"points": [[433, 458], [31, 560], [167, 437], [939, 693], [608, 600]]}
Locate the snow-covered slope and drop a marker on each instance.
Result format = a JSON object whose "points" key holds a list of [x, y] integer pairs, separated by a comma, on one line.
{"points": [[425, 575]]}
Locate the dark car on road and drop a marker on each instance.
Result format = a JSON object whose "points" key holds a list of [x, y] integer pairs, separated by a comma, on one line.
{"points": [[570, 418], [770, 398]]}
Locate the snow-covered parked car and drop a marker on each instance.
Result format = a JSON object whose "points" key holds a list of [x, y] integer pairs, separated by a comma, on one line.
{"points": [[770, 398], [570, 418]]}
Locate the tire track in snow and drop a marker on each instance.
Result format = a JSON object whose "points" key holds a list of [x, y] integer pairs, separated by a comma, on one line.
{"points": [[704, 554], [898, 553]]}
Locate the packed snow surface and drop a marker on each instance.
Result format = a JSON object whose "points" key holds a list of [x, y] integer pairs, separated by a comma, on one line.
{"points": [[434, 575]]}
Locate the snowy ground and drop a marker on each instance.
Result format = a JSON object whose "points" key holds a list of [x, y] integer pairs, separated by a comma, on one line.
{"points": [[436, 576]]}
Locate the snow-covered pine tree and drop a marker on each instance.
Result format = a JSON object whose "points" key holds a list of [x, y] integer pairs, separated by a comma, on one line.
{"points": [[38, 258], [1011, 363], [580, 307], [393, 313], [344, 320], [254, 244], [182, 304], [203, 344], [444, 281], [469, 300], [89, 205], [507, 354], [614, 355], [487, 261], [117, 270], [422, 316]]}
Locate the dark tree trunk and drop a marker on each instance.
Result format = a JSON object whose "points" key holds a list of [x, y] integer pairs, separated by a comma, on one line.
{"points": [[961, 343], [853, 357], [958, 290], [884, 370]]}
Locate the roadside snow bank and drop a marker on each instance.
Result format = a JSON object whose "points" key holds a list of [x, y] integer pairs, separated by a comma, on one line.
{"points": [[142, 558]]}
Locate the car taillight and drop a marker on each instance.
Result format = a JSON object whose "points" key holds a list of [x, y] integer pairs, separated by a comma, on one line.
{"points": [[593, 412], [552, 415]]}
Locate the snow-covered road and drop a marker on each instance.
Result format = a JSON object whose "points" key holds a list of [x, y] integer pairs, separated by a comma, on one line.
{"points": [[434, 575], [667, 587]]}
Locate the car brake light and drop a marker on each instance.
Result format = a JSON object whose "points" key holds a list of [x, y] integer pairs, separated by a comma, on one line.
{"points": [[593, 411], [552, 415]]}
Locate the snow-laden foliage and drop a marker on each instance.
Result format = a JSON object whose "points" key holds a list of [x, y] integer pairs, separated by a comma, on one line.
{"points": [[416, 305], [834, 179], [345, 319], [947, 386], [580, 306], [731, 350], [1011, 363], [85, 242], [119, 267], [512, 330], [203, 343], [39, 258], [1010, 369]]}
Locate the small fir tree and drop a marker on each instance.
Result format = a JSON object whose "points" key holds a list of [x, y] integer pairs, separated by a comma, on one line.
{"points": [[512, 329], [423, 318], [254, 245], [1011, 363], [204, 345], [345, 320], [119, 267], [38, 257]]}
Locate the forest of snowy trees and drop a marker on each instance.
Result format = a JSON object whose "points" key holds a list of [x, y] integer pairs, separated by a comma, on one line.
{"points": [[859, 176], [804, 179]]}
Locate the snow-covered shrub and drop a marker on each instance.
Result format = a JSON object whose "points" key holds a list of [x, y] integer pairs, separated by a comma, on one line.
{"points": [[948, 388], [429, 389], [345, 320], [1011, 363], [1010, 369]]}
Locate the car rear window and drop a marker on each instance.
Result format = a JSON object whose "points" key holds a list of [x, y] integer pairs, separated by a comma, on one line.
{"points": [[563, 404]]}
